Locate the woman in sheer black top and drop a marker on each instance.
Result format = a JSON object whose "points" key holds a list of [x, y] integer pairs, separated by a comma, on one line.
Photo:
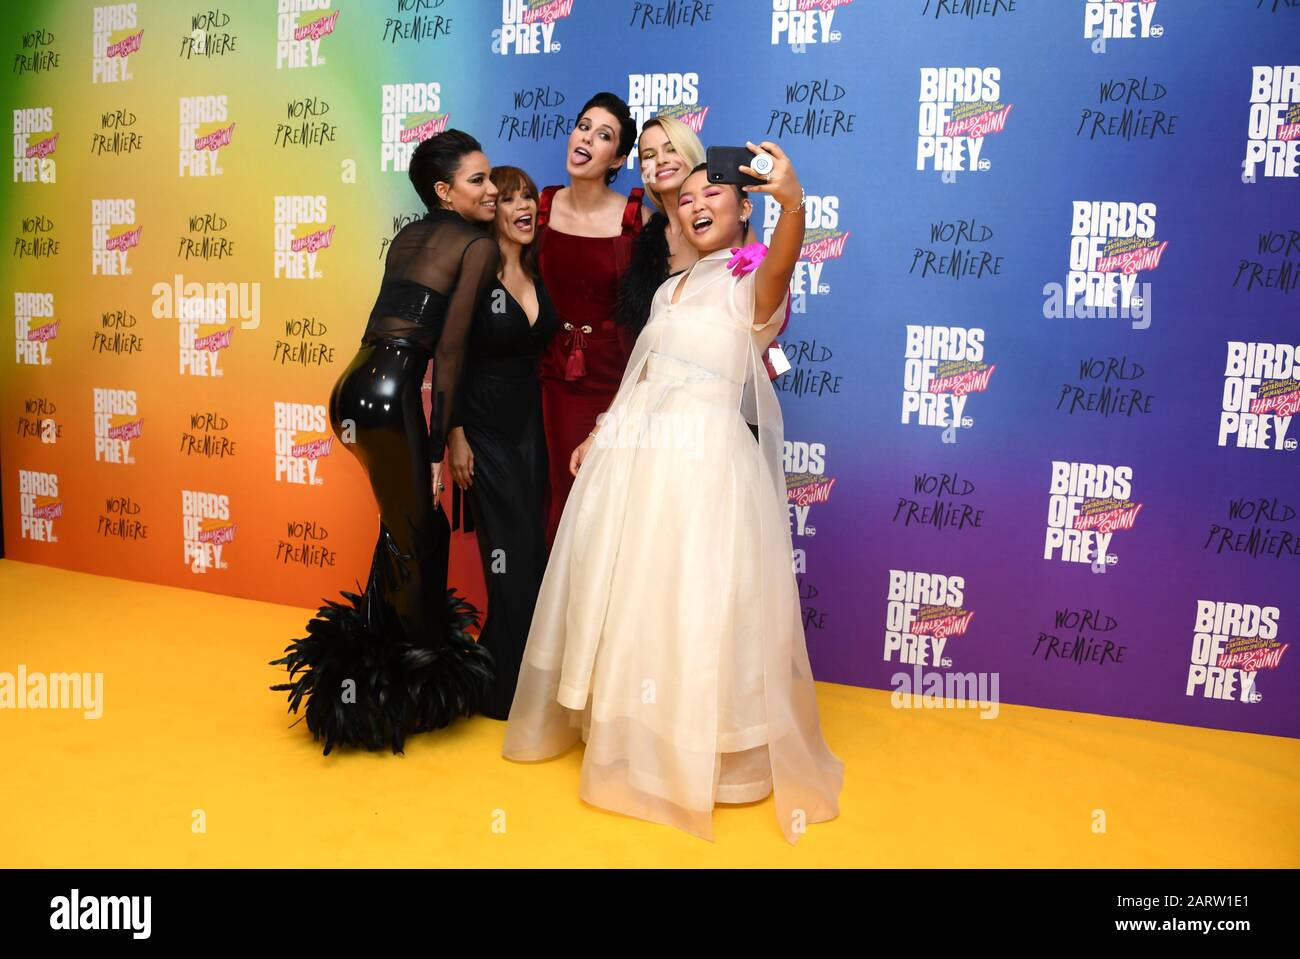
{"points": [[397, 659]]}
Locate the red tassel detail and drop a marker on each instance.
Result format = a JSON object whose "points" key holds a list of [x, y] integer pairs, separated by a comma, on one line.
{"points": [[575, 367]]}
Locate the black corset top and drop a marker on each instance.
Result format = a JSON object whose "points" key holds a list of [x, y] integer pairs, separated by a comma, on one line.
{"points": [[410, 301], [407, 313]]}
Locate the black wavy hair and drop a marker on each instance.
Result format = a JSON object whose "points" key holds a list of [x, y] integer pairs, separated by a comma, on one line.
{"points": [[644, 275], [626, 125], [436, 160]]}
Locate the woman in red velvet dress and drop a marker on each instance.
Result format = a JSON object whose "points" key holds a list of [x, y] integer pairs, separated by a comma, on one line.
{"points": [[587, 231]]}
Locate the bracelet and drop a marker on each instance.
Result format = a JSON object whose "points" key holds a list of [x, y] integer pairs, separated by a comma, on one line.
{"points": [[803, 198]]}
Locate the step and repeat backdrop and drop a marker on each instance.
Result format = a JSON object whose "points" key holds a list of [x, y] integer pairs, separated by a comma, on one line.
{"points": [[1041, 444]]}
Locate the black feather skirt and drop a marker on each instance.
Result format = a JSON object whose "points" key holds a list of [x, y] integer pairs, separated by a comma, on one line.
{"points": [[398, 658], [364, 681]]}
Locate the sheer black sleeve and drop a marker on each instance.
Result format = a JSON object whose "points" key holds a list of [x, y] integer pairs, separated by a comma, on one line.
{"points": [[478, 270], [454, 420]]}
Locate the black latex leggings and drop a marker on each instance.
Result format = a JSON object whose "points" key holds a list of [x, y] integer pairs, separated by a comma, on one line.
{"points": [[376, 410]]}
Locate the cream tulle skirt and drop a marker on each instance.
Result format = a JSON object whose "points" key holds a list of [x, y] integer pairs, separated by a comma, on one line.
{"points": [[667, 633]]}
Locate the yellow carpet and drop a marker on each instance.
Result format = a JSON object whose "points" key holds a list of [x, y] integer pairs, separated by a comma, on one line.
{"points": [[190, 735]]}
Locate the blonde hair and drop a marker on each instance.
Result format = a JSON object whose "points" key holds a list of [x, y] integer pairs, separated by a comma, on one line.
{"points": [[684, 141]]}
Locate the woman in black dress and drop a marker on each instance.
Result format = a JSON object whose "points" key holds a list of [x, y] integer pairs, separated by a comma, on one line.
{"points": [[497, 448], [397, 659]]}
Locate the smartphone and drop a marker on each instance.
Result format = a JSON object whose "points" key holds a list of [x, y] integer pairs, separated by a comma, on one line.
{"points": [[725, 163]]}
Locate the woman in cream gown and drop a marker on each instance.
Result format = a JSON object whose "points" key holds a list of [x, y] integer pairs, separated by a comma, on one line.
{"points": [[667, 633]]}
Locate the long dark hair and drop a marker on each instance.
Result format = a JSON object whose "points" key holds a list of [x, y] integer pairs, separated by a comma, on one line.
{"points": [[508, 180], [644, 275], [436, 160], [626, 125]]}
